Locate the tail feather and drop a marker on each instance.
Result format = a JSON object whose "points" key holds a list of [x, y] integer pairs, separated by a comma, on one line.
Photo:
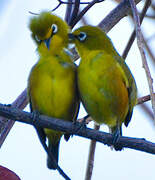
{"points": [[128, 118], [54, 150], [67, 136]]}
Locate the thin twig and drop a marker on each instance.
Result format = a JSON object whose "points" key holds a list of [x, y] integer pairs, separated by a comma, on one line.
{"points": [[57, 6], [75, 12], [84, 20], [143, 99], [133, 35], [91, 157], [124, 55], [33, 13], [148, 112], [49, 153], [153, 6], [150, 16], [145, 108], [58, 168], [68, 11], [83, 12], [139, 144], [140, 43], [149, 51], [6, 124], [71, 3]]}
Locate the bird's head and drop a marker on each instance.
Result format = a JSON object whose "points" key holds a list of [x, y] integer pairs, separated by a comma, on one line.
{"points": [[90, 38], [49, 31]]}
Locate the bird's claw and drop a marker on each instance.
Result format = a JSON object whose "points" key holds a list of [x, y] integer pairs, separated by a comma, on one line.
{"points": [[116, 136], [78, 126], [35, 117]]}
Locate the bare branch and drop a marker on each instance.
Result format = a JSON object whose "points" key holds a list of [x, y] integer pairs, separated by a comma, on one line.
{"points": [[124, 55], [6, 124], [71, 3], [146, 109], [150, 16], [82, 13], [149, 51], [91, 157], [68, 11], [122, 10], [50, 154], [75, 12], [133, 35], [144, 99], [140, 42], [148, 112], [33, 13], [65, 126]]}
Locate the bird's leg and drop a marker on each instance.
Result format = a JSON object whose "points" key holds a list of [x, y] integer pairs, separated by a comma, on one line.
{"points": [[35, 116], [116, 133], [77, 126]]}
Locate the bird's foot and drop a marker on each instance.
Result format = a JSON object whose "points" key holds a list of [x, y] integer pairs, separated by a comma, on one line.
{"points": [[78, 126], [116, 135], [35, 117]]}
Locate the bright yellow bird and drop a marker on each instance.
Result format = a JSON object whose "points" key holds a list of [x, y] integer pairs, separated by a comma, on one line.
{"points": [[106, 85], [52, 88]]}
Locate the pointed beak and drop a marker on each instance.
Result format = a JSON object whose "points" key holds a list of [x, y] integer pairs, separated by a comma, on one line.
{"points": [[71, 36], [47, 42]]}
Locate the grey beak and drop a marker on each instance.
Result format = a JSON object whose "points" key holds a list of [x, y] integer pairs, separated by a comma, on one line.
{"points": [[47, 42]]}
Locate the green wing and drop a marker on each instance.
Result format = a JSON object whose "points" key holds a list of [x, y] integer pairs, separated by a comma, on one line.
{"points": [[132, 89]]}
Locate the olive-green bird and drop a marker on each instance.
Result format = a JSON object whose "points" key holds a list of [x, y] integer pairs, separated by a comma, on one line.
{"points": [[52, 88], [106, 85]]}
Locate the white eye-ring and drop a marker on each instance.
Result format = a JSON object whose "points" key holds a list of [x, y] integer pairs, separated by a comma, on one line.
{"points": [[37, 39], [54, 28], [82, 36]]}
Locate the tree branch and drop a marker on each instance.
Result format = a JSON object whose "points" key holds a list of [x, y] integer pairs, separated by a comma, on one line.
{"points": [[68, 11], [81, 14], [57, 124], [91, 157], [149, 51], [133, 35], [140, 42], [143, 99], [122, 10], [75, 12], [6, 124]]}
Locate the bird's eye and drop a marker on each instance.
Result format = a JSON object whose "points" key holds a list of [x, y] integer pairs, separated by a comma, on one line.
{"points": [[37, 39], [54, 28], [82, 36]]}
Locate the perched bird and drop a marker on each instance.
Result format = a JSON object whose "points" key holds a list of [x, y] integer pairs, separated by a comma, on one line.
{"points": [[106, 85], [52, 88]]}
